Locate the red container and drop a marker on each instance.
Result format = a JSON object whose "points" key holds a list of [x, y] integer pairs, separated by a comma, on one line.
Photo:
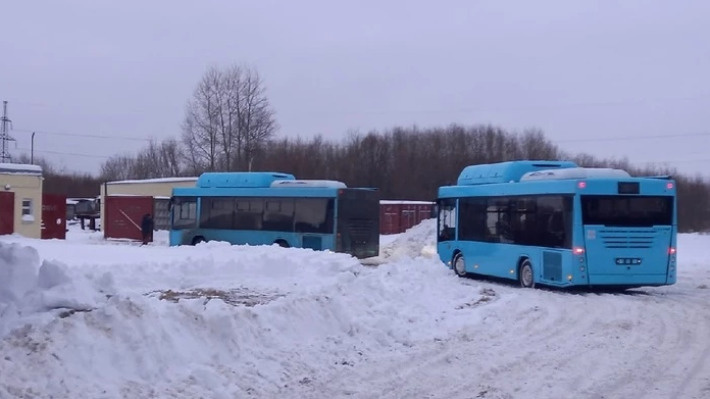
{"points": [[7, 212], [398, 216], [124, 215], [54, 213]]}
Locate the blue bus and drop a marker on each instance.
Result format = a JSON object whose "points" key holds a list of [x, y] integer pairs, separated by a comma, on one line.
{"points": [[264, 208], [557, 224]]}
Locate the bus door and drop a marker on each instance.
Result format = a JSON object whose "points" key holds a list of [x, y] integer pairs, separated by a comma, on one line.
{"points": [[626, 235]]}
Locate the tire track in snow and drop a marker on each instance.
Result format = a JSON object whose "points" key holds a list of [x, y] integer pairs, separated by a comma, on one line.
{"points": [[589, 345]]}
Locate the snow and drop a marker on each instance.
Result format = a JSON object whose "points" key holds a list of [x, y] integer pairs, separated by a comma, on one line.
{"points": [[407, 202], [308, 183], [20, 168], [156, 180], [576, 173], [86, 317]]}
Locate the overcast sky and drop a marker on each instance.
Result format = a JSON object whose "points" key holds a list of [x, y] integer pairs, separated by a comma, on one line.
{"points": [[610, 78]]}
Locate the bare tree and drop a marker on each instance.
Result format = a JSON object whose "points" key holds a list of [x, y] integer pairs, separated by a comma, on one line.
{"points": [[534, 145], [158, 160], [47, 167], [256, 117], [228, 120], [118, 167], [170, 155], [200, 129], [155, 160]]}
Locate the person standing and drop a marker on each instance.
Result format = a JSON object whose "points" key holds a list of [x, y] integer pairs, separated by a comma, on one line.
{"points": [[147, 228]]}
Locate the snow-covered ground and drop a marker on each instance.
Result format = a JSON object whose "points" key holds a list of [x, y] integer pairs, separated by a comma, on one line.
{"points": [[95, 319]]}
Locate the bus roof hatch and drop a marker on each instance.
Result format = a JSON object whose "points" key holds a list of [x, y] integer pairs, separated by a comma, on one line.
{"points": [[506, 172]]}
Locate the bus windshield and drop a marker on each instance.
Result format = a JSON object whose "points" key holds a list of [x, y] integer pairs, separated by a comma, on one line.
{"points": [[627, 211]]}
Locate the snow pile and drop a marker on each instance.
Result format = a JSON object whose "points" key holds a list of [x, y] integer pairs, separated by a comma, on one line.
{"points": [[217, 320], [223, 321], [28, 287], [419, 240]]}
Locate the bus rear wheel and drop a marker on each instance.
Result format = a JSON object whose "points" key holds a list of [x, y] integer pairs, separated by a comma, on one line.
{"points": [[459, 265], [198, 240], [281, 243], [525, 274]]}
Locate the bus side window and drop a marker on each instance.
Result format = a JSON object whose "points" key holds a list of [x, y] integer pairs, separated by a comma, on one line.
{"points": [[249, 214], [504, 228], [556, 229]]}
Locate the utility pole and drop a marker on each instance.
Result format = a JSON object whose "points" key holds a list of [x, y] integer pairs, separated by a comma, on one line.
{"points": [[32, 149], [4, 136]]}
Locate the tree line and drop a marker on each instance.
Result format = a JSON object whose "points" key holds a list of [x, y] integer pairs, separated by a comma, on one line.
{"points": [[229, 125], [406, 163]]}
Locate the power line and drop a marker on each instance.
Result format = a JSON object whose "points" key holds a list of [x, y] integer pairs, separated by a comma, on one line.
{"points": [[675, 161], [68, 153], [627, 138], [95, 136], [617, 138]]}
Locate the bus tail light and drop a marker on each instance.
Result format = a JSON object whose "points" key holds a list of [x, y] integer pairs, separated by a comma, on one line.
{"points": [[671, 251], [669, 185], [578, 251], [582, 184]]}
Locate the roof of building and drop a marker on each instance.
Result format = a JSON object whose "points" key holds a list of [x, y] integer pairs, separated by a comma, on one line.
{"points": [[20, 169], [405, 202]]}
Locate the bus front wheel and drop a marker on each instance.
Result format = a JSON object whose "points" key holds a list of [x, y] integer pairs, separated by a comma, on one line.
{"points": [[281, 243], [198, 240], [460, 265], [525, 274]]}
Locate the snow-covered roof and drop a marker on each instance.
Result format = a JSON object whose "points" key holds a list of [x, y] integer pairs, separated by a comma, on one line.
{"points": [[575, 173], [79, 199], [309, 183], [130, 195], [506, 172], [405, 202], [20, 169], [157, 180]]}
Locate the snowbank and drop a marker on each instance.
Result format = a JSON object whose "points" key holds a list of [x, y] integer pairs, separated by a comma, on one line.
{"points": [[215, 319], [419, 240], [107, 319], [28, 287]]}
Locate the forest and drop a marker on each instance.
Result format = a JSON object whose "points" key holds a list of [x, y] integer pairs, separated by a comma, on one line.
{"points": [[403, 163]]}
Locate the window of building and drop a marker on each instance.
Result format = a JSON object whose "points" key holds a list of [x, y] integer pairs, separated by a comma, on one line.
{"points": [[27, 210]]}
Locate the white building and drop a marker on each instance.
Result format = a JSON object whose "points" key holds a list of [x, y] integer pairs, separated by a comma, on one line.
{"points": [[21, 199]]}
